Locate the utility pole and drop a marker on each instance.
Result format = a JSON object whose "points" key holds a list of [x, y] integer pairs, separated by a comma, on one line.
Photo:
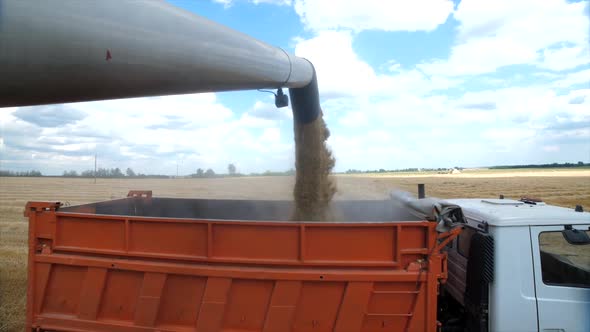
{"points": [[95, 168]]}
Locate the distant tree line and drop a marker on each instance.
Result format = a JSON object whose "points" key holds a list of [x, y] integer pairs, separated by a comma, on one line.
{"points": [[31, 173], [233, 172], [554, 165], [413, 169], [210, 173], [274, 173], [201, 173], [111, 173]]}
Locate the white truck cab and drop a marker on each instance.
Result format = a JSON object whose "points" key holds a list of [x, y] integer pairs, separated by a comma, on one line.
{"points": [[518, 266]]}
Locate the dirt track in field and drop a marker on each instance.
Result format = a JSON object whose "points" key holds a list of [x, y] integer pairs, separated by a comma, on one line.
{"points": [[566, 188]]}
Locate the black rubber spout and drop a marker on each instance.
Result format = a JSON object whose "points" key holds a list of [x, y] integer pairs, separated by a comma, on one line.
{"points": [[305, 101]]}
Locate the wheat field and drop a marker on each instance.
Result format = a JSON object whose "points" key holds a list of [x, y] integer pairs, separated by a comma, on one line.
{"points": [[560, 187]]}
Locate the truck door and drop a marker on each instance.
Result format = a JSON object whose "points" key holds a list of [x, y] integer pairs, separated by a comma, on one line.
{"points": [[562, 279]]}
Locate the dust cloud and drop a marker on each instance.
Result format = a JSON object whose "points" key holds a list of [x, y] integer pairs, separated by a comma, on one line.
{"points": [[314, 188]]}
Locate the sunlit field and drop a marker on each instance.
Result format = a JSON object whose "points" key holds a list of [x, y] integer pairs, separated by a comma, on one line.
{"points": [[560, 187]]}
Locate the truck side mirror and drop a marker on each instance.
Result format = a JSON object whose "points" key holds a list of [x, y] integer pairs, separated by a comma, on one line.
{"points": [[575, 236]]}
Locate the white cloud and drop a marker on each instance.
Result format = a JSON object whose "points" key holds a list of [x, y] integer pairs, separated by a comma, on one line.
{"points": [[564, 57], [394, 117], [479, 56], [354, 119], [339, 69], [510, 136], [575, 78], [264, 115], [551, 148], [151, 135], [376, 148], [552, 34], [392, 65], [342, 73], [402, 130], [417, 15], [440, 131], [424, 120]]}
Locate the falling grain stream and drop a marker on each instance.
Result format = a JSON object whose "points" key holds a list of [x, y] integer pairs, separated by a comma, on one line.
{"points": [[314, 188]]}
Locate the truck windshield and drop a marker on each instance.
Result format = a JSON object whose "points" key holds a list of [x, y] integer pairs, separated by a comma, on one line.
{"points": [[562, 263]]}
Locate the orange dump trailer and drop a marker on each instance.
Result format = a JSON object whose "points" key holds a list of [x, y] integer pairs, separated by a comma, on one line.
{"points": [[160, 264]]}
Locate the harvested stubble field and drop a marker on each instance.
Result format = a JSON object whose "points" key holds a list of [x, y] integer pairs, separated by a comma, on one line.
{"points": [[560, 187]]}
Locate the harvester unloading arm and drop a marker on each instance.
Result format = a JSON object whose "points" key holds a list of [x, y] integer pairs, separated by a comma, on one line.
{"points": [[72, 51]]}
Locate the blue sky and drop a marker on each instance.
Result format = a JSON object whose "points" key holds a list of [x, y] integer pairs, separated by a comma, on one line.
{"points": [[429, 83]]}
